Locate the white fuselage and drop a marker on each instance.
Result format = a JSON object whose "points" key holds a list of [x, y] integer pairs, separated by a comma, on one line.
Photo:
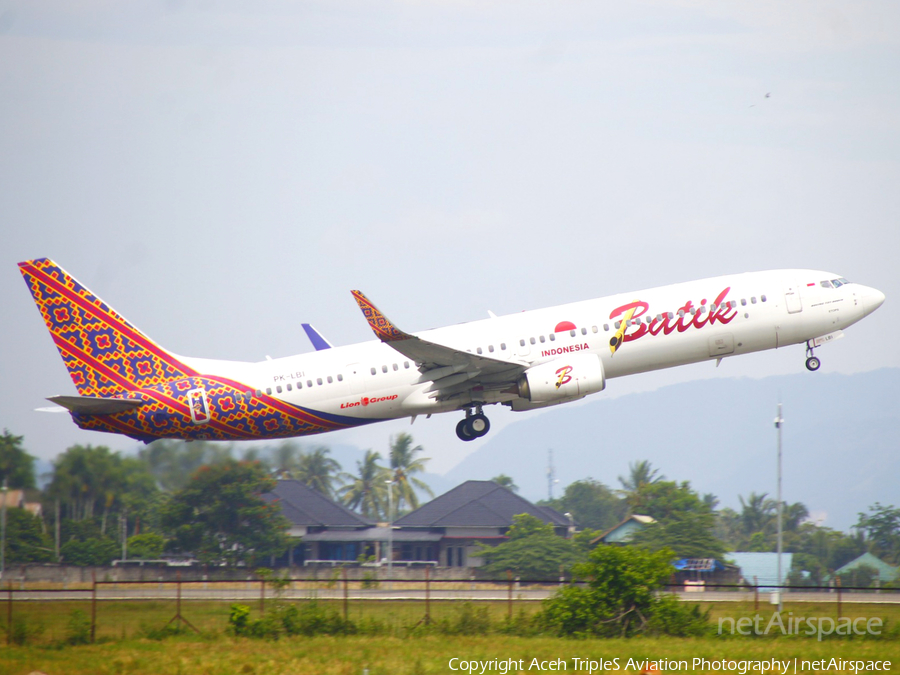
{"points": [[754, 311]]}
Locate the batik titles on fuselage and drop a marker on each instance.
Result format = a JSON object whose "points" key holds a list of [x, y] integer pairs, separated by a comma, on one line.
{"points": [[684, 318]]}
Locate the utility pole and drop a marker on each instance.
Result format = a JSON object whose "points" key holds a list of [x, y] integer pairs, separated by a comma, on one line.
{"points": [[390, 552], [551, 474], [3, 531], [779, 422]]}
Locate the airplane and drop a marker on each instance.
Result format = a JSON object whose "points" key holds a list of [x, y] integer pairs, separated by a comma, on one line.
{"points": [[127, 384]]}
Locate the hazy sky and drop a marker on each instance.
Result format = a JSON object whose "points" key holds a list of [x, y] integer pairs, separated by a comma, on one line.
{"points": [[221, 172]]}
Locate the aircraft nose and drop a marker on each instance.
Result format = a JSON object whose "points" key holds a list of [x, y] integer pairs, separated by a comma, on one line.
{"points": [[872, 300]]}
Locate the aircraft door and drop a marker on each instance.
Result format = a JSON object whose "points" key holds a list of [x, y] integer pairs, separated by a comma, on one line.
{"points": [[355, 378], [792, 300], [199, 406]]}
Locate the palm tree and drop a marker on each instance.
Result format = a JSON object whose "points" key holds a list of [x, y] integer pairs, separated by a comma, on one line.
{"points": [[639, 474], [403, 465], [284, 460], [506, 482], [757, 513], [367, 491], [318, 471]]}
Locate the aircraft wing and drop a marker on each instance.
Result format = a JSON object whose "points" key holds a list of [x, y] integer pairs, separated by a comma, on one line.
{"points": [[453, 370], [94, 405]]}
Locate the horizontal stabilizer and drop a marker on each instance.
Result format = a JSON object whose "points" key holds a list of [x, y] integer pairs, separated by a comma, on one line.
{"points": [[93, 405]]}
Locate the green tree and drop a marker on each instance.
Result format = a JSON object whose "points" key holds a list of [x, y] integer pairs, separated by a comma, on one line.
{"points": [[684, 522], [25, 538], [172, 463], [146, 546], [532, 551], [620, 597], [319, 471], [367, 491], [89, 552], [90, 482], [16, 465], [404, 464], [591, 503], [881, 527], [220, 517], [640, 474], [505, 481]]}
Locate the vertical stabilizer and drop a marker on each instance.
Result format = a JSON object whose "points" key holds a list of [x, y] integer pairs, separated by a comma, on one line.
{"points": [[105, 355]]}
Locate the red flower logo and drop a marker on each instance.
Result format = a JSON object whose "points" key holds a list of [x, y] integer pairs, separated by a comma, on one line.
{"points": [[61, 314], [78, 378], [143, 367], [226, 403], [103, 341], [271, 425]]}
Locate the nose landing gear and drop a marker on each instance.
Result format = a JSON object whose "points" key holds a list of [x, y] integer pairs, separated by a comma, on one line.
{"points": [[812, 362], [473, 426]]}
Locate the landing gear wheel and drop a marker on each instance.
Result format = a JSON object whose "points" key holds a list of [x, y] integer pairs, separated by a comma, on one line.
{"points": [[813, 363], [479, 425], [464, 432]]}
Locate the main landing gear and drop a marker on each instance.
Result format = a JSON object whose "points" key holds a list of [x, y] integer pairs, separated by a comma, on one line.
{"points": [[812, 362], [473, 426]]}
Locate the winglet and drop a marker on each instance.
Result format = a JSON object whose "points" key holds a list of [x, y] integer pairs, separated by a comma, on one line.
{"points": [[316, 338], [378, 322]]}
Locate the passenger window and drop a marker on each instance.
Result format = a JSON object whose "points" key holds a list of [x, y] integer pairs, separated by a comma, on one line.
{"points": [[584, 331], [532, 340], [478, 350], [259, 392], [330, 380], [502, 346], [763, 298], [340, 377], [396, 368], [373, 370], [278, 389], [289, 387], [753, 300], [319, 381], [594, 329], [406, 364], [383, 369], [606, 327], [521, 343], [541, 338], [269, 390], [571, 333], [617, 324], [299, 385], [491, 348], [309, 383], [552, 337]]}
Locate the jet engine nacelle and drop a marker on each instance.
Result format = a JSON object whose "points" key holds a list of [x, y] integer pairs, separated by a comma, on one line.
{"points": [[564, 379]]}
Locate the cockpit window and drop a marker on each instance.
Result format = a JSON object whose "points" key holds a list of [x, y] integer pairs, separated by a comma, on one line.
{"points": [[834, 283], [825, 284]]}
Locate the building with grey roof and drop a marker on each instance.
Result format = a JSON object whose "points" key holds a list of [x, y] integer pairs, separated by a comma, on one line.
{"points": [[444, 532]]}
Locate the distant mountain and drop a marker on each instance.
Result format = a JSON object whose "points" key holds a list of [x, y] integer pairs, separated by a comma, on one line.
{"points": [[840, 440]]}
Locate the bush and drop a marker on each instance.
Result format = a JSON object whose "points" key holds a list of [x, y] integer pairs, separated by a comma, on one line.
{"points": [[283, 619], [79, 628], [620, 598]]}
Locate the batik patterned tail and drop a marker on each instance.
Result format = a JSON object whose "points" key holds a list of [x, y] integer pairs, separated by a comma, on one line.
{"points": [[105, 355]]}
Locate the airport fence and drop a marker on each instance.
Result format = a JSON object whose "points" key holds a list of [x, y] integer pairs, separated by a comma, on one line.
{"points": [[108, 608]]}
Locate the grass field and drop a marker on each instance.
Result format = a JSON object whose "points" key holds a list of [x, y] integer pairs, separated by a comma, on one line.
{"points": [[122, 645]]}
